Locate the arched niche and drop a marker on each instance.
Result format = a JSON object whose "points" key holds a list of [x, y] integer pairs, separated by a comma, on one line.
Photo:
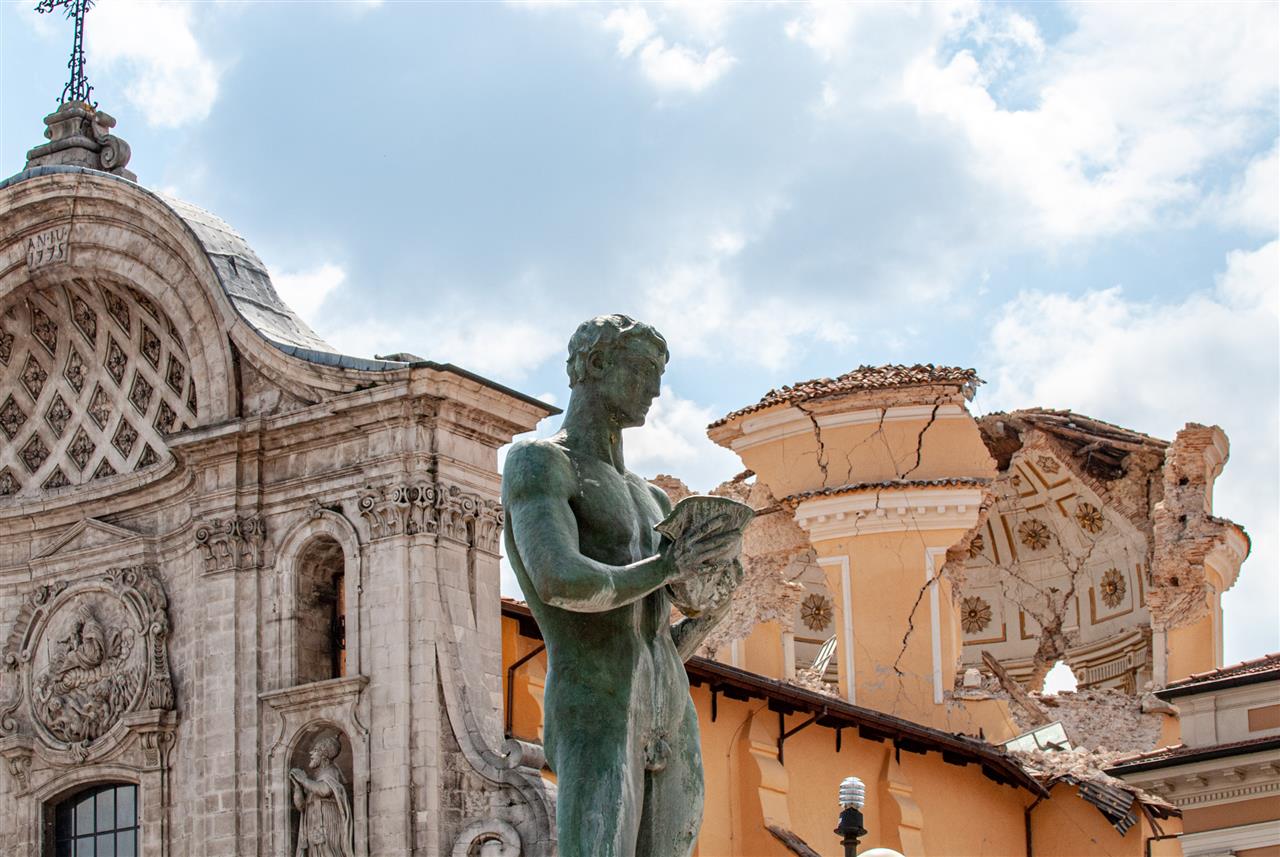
{"points": [[317, 550], [303, 714], [301, 758]]}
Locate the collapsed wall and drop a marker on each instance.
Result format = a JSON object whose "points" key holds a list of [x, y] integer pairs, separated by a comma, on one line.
{"points": [[1100, 537]]}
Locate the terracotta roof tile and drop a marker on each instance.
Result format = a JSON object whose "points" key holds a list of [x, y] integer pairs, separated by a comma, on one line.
{"points": [[865, 378], [1166, 756], [1266, 663]]}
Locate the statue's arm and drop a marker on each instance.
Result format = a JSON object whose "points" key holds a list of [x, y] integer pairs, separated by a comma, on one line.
{"points": [[314, 786], [538, 482], [689, 633]]}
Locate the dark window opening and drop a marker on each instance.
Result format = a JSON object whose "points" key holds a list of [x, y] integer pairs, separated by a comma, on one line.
{"points": [[100, 821], [321, 612]]}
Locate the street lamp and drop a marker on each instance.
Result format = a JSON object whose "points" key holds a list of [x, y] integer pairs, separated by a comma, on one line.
{"points": [[853, 794]]}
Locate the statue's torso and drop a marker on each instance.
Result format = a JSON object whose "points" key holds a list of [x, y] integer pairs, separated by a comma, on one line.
{"points": [[627, 652]]}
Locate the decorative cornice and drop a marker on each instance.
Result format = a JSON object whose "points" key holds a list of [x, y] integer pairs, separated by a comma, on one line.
{"points": [[231, 544], [1197, 785], [432, 508], [1230, 840], [316, 693], [791, 421], [890, 509]]}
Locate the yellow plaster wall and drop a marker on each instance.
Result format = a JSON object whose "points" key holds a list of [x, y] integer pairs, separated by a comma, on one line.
{"points": [[917, 803], [889, 603], [787, 466], [529, 681], [1068, 826], [1191, 649], [868, 452]]}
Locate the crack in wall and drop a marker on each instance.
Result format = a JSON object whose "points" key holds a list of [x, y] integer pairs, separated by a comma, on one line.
{"points": [[823, 459], [933, 416]]}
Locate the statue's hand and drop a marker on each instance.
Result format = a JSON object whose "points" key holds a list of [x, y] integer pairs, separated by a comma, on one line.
{"points": [[698, 550]]}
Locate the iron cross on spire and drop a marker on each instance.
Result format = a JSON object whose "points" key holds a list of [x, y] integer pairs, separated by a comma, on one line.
{"points": [[77, 88]]}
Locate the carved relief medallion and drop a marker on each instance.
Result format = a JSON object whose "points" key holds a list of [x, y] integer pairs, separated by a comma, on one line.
{"points": [[1089, 517], [1112, 587], [816, 612], [975, 614], [1034, 533], [88, 653]]}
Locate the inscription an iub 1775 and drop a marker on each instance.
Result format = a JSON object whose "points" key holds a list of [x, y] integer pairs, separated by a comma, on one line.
{"points": [[47, 247]]}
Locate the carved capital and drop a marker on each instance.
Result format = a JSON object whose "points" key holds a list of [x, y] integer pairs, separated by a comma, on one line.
{"points": [[231, 544], [435, 508]]}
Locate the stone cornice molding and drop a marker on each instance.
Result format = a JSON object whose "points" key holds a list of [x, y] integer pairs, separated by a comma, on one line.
{"points": [[790, 421], [1213, 782], [889, 510], [304, 696]]}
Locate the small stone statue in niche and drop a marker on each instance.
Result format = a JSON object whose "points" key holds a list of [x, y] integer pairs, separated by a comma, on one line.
{"points": [[325, 824]]}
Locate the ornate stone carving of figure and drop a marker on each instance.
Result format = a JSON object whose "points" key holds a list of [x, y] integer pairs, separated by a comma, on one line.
{"points": [[326, 827], [89, 681], [621, 732]]}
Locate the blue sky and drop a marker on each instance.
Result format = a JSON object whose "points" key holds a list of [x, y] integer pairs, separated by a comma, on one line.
{"points": [[1080, 201]]}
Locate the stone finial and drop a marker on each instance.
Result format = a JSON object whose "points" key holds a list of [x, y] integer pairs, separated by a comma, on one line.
{"points": [[80, 135]]}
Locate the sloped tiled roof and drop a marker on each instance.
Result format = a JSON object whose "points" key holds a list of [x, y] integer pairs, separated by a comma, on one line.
{"points": [[1163, 757], [865, 378], [1265, 668]]}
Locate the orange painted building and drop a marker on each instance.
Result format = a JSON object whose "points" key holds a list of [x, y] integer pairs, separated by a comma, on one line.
{"points": [[892, 484]]}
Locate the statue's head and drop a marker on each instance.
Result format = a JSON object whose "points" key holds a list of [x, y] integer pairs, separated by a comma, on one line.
{"points": [[324, 751], [621, 360]]}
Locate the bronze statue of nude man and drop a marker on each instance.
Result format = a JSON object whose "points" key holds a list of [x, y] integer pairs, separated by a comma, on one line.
{"points": [[620, 731]]}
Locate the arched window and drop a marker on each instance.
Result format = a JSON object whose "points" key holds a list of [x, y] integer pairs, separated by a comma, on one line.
{"points": [[322, 611], [100, 821]]}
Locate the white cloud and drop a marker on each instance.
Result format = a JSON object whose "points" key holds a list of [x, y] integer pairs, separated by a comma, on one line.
{"points": [[845, 33], [633, 27], [168, 77], [674, 440], [1254, 200], [701, 307], [678, 67], [1208, 358], [1130, 110], [668, 66], [508, 350], [305, 291]]}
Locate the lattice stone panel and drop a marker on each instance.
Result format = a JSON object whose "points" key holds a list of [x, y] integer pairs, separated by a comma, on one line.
{"points": [[93, 377]]}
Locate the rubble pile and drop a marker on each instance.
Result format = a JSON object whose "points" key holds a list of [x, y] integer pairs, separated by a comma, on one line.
{"points": [[775, 553]]}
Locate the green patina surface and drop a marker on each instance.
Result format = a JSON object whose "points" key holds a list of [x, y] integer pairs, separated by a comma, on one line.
{"points": [[620, 731]]}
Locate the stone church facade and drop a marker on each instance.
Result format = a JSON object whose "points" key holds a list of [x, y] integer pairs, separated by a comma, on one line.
{"points": [[233, 562]]}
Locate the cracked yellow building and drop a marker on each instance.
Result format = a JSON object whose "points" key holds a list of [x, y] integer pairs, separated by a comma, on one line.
{"points": [[912, 575]]}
